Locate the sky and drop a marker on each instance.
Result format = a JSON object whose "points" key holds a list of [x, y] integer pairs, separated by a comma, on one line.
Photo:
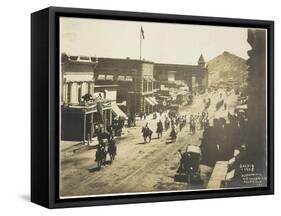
{"points": [[163, 43]]}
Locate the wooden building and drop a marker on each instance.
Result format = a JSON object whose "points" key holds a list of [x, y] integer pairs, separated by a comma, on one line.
{"points": [[85, 107]]}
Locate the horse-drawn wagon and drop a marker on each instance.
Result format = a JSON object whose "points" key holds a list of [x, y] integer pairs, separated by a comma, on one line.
{"points": [[189, 165]]}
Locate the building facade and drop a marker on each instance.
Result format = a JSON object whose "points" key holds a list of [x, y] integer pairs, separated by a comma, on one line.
{"points": [[93, 90], [195, 76], [85, 107], [135, 80]]}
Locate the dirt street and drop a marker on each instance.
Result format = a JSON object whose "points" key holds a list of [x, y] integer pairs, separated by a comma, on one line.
{"points": [[138, 167]]}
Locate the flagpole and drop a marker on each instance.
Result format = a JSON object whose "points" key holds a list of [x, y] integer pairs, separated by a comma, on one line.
{"points": [[140, 42]]}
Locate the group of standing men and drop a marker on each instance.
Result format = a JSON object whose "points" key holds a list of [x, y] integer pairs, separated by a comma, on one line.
{"points": [[177, 121]]}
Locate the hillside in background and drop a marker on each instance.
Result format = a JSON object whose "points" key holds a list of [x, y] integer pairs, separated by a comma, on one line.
{"points": [[227, 69]]}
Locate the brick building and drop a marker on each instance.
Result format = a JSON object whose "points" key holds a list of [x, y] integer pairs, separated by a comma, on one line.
{"points": [[135, 80]]}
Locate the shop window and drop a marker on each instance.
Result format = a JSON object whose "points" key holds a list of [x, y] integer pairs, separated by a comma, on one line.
{"points": [[68, 92], [150, 85], [144, 85]]}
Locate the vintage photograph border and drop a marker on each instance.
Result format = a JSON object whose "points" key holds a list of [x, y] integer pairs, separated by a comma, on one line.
{"points": [[54, 100]]}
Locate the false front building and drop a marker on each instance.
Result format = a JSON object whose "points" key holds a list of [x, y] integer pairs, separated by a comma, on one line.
{"points": [[85, 107]]}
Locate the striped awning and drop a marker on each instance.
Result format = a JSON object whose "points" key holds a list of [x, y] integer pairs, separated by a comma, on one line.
{"points": [[149, 101], [117, 111], [153, 99]]}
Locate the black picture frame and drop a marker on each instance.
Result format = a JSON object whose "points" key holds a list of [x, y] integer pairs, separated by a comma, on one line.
{"points": [[45, 98]]}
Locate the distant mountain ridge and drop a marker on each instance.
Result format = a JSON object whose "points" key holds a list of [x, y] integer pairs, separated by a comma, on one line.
{"points": [[227, 69]]}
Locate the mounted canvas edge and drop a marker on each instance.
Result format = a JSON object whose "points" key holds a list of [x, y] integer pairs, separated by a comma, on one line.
{"points": [[160, 17], [270, 102], [39, 108], [165, 197]]}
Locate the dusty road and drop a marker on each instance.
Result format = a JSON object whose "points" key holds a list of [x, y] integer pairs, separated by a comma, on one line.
{"points": [[138, 167]]}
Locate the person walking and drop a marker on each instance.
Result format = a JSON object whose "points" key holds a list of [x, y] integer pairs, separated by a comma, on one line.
{"points": [[167, 123], [159, 130], [173, 133], [146, 132]]}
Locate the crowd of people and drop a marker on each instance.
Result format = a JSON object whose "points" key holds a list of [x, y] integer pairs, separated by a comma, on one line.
{"points": [[173, 123], [106, 146], [220, 140], [198, 121], [107, 141]]}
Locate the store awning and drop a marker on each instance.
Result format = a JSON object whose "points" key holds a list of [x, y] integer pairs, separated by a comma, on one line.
{"points": [[117, 111], [148, 100], [153, 99]]}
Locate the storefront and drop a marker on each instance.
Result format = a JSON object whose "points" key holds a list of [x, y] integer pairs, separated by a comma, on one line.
{"points": [[117, 112], [81, 123], [150, 104]]}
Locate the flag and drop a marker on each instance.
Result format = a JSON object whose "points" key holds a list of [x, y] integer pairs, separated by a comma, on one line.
{"points": [[142, 32]]}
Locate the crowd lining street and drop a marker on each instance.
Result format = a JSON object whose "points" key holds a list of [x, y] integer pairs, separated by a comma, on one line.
{"points": [[139, 166]]}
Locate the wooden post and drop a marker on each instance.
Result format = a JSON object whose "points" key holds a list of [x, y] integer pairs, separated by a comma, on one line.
{"points": [[84, 128], [104, 120], [110, 117]]}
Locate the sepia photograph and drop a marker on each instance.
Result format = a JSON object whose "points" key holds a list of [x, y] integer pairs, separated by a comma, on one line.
{"points": [[151, 107]]}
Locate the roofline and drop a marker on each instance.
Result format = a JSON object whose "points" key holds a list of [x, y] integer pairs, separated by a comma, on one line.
{"points": [[101, 86], [80, 62], [126, 59], [181, 65]]}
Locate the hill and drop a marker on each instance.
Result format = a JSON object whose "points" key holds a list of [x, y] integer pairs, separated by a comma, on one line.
{"points": [[227, 69]]}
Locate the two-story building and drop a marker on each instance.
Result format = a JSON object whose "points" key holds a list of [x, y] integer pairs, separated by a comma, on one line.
{"points": [[135, 80], [85, 107], [172, 75]]}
